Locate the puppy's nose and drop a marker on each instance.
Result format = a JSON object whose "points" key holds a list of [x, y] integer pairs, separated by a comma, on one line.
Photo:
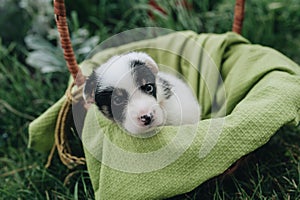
{"points": [[147, 119]]}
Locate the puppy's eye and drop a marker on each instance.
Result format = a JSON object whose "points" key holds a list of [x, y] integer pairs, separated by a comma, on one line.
{"points": [[148, 88], [117, 100]]}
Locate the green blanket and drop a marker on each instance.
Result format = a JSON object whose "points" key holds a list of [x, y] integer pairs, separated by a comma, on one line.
{"points": [[247, 92]]}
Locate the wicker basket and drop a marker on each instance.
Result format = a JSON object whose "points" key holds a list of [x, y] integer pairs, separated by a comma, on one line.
{"points": [[64, 124]]}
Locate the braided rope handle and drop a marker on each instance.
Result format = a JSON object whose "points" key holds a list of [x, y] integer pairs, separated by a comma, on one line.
{"points": [[238, 16], [62, 27]]}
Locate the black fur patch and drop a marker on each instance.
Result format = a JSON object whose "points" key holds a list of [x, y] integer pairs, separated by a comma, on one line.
{"points": [[90, 86], [166, 87], [143, 76], [112, 103], [103, 101]]}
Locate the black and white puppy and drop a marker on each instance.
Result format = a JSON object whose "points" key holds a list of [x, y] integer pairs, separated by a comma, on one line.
{"points": [[130, 90]]}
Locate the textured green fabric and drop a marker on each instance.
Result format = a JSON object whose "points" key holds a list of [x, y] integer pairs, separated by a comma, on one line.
{"points": [[41, 130], [259, 92], [262, 93]]}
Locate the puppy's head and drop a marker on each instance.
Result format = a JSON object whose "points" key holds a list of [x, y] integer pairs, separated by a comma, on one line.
{"points": [[124, 89]]}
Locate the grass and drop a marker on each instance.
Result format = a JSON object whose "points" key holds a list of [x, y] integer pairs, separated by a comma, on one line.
{"points": [[271, 172], [24, 96]]}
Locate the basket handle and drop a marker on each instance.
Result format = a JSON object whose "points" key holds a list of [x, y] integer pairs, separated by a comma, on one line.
{"points": [[62, 27], [238, 16]]}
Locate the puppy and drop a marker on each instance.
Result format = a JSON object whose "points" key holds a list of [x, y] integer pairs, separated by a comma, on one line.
{"points": [[130, 90]]}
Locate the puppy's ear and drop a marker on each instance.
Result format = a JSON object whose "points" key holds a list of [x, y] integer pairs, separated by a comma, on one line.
{"points": [[89, 88]]}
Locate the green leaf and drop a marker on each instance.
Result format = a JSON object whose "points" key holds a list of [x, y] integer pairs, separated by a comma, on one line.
{"points": [[46, 61]]}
